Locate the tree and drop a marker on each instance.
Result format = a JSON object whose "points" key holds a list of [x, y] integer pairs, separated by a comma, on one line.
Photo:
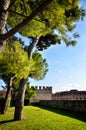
{"points": [[48, 15], [30, 92], [14, 63], [41, 17], [16, 68], [38, 71], [40, 68]]}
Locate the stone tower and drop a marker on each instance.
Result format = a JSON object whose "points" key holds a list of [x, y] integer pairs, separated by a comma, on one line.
{"points": [[43, 93]]}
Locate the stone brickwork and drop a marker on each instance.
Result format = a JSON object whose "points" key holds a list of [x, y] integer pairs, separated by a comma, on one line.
{"points": [[69, 95], [43, 93], [72, 105], [2, 93]]}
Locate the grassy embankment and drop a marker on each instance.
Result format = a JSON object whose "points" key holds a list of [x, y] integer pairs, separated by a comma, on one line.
{"points": [[43, 119]]}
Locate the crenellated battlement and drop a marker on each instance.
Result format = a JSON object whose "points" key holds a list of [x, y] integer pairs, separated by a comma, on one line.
{"points": [[43, 93], [44, 88]]}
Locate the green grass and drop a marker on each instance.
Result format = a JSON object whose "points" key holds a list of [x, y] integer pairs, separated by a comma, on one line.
{"points": [[36, 118]]}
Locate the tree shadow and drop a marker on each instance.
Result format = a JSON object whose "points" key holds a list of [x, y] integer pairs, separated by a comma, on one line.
{"points": [[6, 121], [76, 115]]}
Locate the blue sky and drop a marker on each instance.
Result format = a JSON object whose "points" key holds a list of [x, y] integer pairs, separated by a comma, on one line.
{"points": [[67, 65]]}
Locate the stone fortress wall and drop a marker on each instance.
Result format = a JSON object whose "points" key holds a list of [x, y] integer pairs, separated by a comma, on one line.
{"points": [[69, 95], [43, 93], [73, 100]]}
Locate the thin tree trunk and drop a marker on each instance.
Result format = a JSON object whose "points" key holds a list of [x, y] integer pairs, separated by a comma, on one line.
{"points": [[4, 4], [8, 95], [32, 46], [18, 114]]}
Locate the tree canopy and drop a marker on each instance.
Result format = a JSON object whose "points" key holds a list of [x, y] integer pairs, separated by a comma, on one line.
{"points": [[41, 66], [59, 15], [16, 66], [30, 92], [41, 17], [14, 60]]}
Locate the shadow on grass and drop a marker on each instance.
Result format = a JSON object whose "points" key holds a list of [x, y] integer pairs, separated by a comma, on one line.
{"points": [[6, 121], [76, 115]]}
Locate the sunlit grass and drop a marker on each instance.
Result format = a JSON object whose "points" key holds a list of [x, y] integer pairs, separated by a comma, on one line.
{"points": [[36, 118]]}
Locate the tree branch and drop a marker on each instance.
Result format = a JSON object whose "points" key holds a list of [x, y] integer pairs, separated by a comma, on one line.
{"points": [[26, 20], [11, 5], [25, 16], [17, 13], [32, 46], [24, 6]]}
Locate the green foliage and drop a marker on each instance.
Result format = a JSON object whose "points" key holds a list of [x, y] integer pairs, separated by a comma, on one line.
{"points": [[47, 40], [21, 7], [35, 28], [40, 67], [24, 9], [60, 15], [2, 97], [14, 60], [30, 91]]}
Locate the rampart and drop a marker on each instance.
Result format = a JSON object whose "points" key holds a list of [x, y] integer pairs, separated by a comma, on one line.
{"points": [[69, 95], [43, 93], [70, 105]]}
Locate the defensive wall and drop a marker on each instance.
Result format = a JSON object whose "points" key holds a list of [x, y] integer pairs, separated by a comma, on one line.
{"points": [[72, 100], [43, 93], [69, 100], [70, 105], [69, 95]]}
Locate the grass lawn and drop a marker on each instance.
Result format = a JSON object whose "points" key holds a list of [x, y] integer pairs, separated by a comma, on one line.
{"points": [[36, 118]]}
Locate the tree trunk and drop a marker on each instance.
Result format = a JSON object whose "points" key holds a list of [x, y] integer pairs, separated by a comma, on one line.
{"points": [[4, 4], [18, 115], [32, 46], [8, 96]]}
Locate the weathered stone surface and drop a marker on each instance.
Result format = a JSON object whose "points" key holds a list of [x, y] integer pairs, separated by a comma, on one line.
{"points": [[72, 105]]}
